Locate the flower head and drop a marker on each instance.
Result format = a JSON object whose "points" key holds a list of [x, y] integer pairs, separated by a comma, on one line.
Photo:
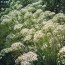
{"points": [[29, 57], [18, 26], [39, 35]]}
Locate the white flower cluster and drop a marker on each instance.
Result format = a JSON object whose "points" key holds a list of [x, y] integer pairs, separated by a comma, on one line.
{"points": [[37, 13], [6, 20], [25, 63], [60, 28], [28, 15], [27, 57], [28, 38], [45, 16], [17, 45], [62, 50], [14, 47], [13, 16], [62, 55], [30, 8], [39, 35], [59, 31], [26, 31], [14, 13], [60, 18], [30, 23], [49, 25], [18, 6], [18, 26]]}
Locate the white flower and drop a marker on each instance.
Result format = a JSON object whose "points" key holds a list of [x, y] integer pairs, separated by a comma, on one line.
{"points": [[49, 25], [60, 27], [14, 13], [24, 31], [28, 15], [30, 9], [16, 46], [23, 10], [28, 38], [18, 6], [25, 63], [18, 26], [39, 35], [6, 21], [37, 3], [6, 50], [60, 18], [29, 57], [63, 61], [48, 14], [37, 26], [59, 30], [34, 20], [62, 50], [31, 31], [37, 13]]}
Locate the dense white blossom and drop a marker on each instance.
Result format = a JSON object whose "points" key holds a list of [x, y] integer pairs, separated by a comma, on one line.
{"points": [[24, 31], [37, 13], [62, 55], [39, 35], [29, 57], [60, 18], [59, 30], [17, 45], [31, 31], [18, 6], [14, 13], [62, 50], [25, 63], [49, 25], [6, 20], [37, 3], [6, 50], [23, 11], [28, 15], [14, 47], [18, 26], [44, 30], [48, 14], [28, 38], [30, 9]]}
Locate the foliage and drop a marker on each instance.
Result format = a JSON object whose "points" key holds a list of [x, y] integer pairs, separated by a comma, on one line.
{"points": [[55, 5], [51, 5], [31, 36]]}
